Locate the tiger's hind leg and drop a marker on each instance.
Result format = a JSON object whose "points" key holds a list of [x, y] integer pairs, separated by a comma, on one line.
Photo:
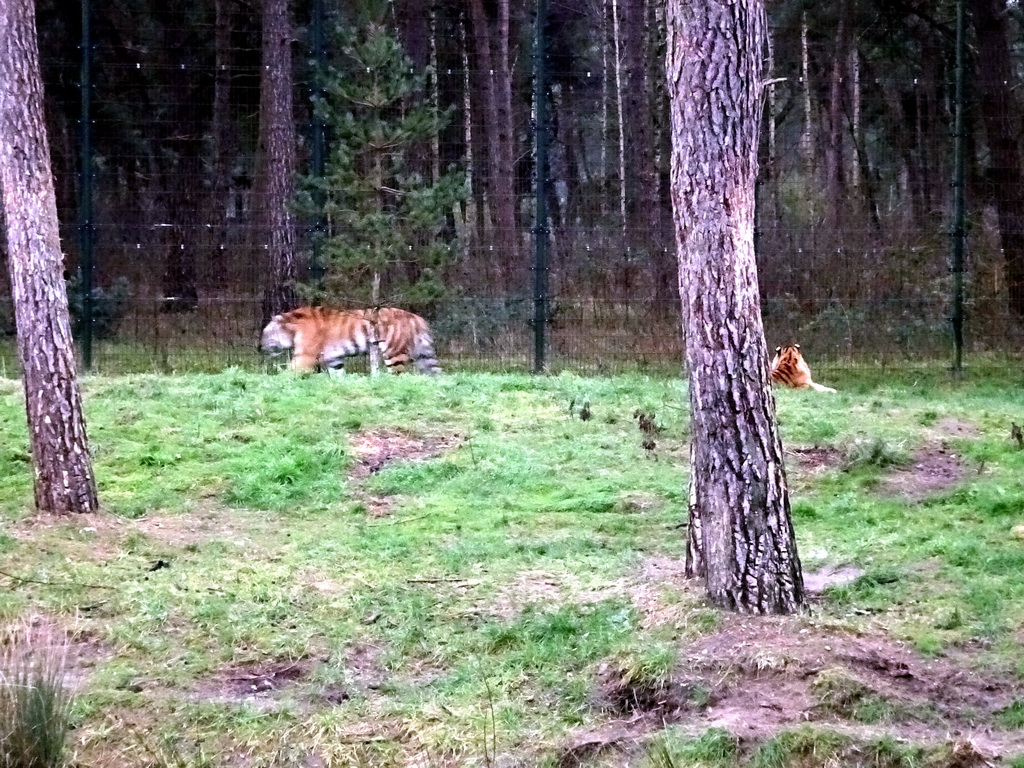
{"points": [[397, 363], [424, 357]]}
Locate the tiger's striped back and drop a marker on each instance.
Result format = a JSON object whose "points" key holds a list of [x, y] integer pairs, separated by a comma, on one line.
{"points": [[324, 337], [790, 369]]}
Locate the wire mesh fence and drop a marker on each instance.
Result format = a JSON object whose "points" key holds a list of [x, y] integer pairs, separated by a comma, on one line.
{"points": [[389, 156]]}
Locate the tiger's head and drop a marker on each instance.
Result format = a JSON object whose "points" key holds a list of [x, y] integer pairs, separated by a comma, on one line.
{"points": [[277, 338], [789, 368]]}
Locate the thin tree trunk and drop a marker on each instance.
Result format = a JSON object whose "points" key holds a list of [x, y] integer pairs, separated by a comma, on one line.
{"points": [[374, 346], [1002, 118], [855, 108], [772, 171], [492, 50], [834, 164], [273, 185], [806, 136], [621, 147], [602, 170], [741, 536], [470, 220], [64, 481], [221, 132], [181, 146], [641, 177], [435, 100]]}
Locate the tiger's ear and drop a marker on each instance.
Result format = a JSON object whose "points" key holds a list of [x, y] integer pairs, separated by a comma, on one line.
{"points": [[797, 346], [777, 350]]}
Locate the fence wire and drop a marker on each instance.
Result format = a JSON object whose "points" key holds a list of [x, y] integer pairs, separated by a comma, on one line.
{"points": [[854, 193]]}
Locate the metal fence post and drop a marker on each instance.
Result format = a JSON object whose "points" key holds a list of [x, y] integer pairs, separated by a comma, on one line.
{"points": [[85, 213], [540, 228], [958, 230], [318, 54]]}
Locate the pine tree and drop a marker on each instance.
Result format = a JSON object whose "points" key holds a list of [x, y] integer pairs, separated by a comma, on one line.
{"points": [[384, 221]]}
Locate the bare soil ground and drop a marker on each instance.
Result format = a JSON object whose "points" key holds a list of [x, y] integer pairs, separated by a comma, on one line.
{"points": [[932, 469], [376, 449], [756, 677]]}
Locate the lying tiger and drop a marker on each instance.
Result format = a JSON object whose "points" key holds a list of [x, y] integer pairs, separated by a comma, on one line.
{"points": [[322, 337], [790, 368]]}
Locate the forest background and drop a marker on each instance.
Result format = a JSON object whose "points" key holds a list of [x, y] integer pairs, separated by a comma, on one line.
{"points": [[410, 176]]}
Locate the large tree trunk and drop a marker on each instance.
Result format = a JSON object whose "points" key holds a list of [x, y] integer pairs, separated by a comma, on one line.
{"points": [[64, 480], [274, 182], [741, 535], [1002, 117]]}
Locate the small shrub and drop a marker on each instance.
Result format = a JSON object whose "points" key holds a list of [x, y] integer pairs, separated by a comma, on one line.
{"points": [[34, 704], [876, 453], [714, 747], [108, 306], [888, 752], [806, 746], [1012, 716]]}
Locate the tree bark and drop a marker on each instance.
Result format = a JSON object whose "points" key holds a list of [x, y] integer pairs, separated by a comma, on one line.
{"points": [[741, 534], [491, 44], [223, 144], [64, 480], [274, 182], [834, 151], [642, 176], [1002, 117]]}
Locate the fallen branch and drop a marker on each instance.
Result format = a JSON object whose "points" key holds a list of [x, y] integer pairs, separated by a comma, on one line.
{"points": [[62, 584]]}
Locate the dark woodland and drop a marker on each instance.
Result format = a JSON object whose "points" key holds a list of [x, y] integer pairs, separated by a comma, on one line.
{"points": [[215, 124]]}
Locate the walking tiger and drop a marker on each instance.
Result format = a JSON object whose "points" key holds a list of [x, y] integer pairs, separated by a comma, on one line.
{"points": [[322, 337]]}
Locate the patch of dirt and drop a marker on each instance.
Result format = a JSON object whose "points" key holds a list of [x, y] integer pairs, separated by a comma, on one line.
{"points": [[375, 506], [667, 701], [203, 523], [377, 448], [74, 651], [954, 427], [256, 680], [527, 588], [933, 469], [816, 582], [584, 744], [817, 458], [263, 682], [362, 662], [758, 677]]}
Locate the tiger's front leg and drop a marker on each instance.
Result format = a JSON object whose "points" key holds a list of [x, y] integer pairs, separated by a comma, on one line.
{"points": [[303, 363]]}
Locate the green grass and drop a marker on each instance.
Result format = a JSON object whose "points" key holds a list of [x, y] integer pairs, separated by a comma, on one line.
{"points": [[714, 748], [459, 608]]}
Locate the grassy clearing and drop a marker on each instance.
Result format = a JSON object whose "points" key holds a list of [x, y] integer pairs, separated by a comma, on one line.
{"points": [[264, 590]]}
